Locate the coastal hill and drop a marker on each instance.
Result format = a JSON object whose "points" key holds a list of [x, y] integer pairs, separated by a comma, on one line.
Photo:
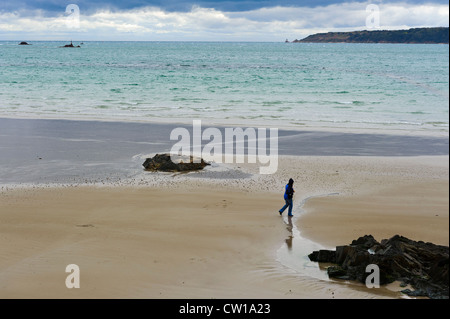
{"points": [[415, 35]]}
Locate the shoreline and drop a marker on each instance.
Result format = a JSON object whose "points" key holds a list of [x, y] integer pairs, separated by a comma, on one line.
{"points": [[406, 131], [68, 151]]}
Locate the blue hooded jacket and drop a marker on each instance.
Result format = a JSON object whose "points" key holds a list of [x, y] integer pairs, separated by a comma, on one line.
{"points": [[289, 192]]}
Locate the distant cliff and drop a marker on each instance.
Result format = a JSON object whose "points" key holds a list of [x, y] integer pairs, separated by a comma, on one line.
{"points": [[416, 35]]}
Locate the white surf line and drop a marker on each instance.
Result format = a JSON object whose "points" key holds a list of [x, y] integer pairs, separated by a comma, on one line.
{"points": [[294, 252]]}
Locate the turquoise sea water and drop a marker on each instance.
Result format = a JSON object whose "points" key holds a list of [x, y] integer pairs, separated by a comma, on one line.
{"points": [[388, 86]]}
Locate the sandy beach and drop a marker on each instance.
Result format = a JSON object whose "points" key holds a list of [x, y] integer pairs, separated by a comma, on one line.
{"points": [[193, 236]]}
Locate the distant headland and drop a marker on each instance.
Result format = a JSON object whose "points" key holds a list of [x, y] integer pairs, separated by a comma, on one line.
{"points": [[438, 35]]}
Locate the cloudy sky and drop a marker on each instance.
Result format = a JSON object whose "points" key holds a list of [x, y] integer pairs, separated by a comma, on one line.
{"points": [[209, 20]]}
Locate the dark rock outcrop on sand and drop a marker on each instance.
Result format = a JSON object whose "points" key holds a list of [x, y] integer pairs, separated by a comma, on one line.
{"points": [[164, 163], [422, 265]]}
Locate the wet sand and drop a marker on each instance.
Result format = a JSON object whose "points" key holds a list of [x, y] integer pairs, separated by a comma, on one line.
{"points": [[418, 211], [68, 151], [213, 234], [136, 243]]}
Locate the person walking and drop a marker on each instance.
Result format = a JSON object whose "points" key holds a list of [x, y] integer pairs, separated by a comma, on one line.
{"points": [[288, 194]]}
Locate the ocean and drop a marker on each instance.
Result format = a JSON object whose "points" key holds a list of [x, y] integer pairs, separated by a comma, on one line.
{"points": [[362, 86]]}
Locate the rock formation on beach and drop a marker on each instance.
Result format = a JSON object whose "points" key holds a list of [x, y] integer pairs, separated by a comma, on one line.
{"points": [[164, 163], [422, 265]]}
